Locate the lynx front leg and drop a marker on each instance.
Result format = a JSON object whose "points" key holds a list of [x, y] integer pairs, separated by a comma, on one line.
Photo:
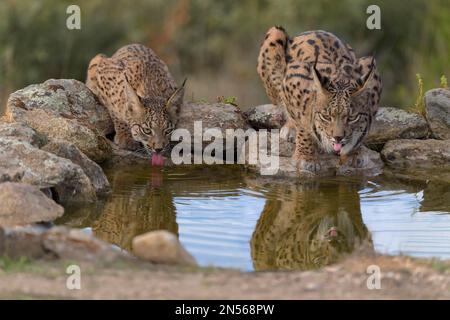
{"points": [[354, 159], [305, 153], [123, 136], [287, 132]]}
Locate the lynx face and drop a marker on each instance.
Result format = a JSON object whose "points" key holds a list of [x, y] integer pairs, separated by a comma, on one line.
{"points": [[150, 121], [332, 238], [154, 131], [340, 120]]}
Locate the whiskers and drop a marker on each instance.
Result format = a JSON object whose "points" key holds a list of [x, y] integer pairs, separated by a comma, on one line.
{"points": [[142, 152], [165, 149], [147, 153]]}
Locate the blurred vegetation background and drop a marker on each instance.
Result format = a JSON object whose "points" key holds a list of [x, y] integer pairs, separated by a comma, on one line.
{"points": [[215, 43]]}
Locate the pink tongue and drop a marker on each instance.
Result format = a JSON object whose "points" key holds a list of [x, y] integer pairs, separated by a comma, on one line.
{"points": [[157, 160], [337, 147], [333, 232]]}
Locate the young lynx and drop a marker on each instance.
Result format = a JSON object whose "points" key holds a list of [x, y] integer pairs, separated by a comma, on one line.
{"points": [[331, 97], [141, 96]]}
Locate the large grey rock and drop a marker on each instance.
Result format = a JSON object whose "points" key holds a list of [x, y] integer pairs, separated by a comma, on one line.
{"points": [[22, 204], [365, 162], [267, 116], [393, 123], [21, 132], [410, 153], [122, 157], [437, 107], [55, 243], [21, 162], [210, 115], [161, 247], [64, 110], [90, 168], [213, 115]]}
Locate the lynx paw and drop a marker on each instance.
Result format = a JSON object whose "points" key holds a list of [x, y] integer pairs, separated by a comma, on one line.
{"points": [[308, 166]]}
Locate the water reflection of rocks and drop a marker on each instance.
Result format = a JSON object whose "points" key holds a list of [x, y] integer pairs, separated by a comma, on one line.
{"points": [[148, 206], [139, 204], [308, 225], [302, 226], [143, 201]]}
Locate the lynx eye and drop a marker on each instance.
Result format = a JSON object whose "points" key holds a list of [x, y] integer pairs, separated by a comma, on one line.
{"points": [[168, 130], [146, 131], [353, 119], [324, 117]]}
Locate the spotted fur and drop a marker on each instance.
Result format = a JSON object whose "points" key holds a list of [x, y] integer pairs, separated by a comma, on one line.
{"points": [[294, 230], [141, 96], [329, 95]]}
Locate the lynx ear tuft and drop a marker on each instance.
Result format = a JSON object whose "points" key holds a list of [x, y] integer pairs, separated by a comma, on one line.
{"points": [[177, 95], [366, 78]]}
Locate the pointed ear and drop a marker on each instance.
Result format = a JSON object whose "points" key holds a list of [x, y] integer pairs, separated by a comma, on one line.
{"points": [[365, 79], [134, 106], [177, 96]]}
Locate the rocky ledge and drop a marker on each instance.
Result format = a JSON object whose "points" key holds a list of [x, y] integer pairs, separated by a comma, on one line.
{"points": [[399, 139], [55, 134]]}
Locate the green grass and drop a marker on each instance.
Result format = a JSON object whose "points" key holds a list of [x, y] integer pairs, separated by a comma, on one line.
{"points": [[440, 265], [49, 269], [230, 100], [444, 83], [419, 106], [15, 265], [220, 99]]}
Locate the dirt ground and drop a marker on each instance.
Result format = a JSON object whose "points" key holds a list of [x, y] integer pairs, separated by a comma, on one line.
{"points": [[401, 278]]}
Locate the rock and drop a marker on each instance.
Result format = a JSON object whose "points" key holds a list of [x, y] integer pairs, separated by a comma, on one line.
{"points": [[437, 112], [66, 98], [267, 116], [393, 123], [21, 132], [55, 243], [410, 153], [161, 247], [122, 157], [413, 177], [367, 162], [285, 148], [68, 243], [64, 110], [60, 129], [23, 204], [90, 168], [21, 162], [212, 115]]}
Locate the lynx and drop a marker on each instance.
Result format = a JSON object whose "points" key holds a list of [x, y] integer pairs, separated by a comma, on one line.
{"points": [[330, 96], [141, 96]]}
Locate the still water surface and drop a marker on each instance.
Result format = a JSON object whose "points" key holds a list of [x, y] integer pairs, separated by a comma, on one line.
{"points": [[226, 217]]}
